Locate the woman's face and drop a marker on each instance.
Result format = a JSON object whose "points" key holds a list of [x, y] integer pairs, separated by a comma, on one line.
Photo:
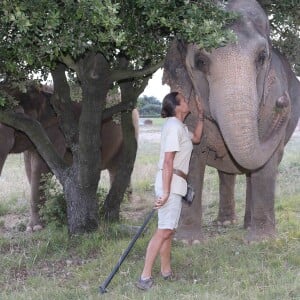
{"points": [[182, 106]]}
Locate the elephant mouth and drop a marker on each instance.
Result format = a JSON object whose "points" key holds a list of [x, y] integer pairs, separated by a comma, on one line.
{"points": [[279, 118]]}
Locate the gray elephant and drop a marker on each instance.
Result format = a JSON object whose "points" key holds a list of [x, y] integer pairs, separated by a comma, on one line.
{"points": [[251, 100]]}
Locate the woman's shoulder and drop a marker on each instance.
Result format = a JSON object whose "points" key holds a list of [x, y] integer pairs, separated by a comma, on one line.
{"points": [[172, 125], [173, 121]]}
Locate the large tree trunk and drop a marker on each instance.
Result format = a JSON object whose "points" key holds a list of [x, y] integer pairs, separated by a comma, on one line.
{"points": [[82, 204], [80, 181]]}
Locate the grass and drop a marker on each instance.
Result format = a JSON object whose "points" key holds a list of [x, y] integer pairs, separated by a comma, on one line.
{"points": [[51, 265], [14, 186]]}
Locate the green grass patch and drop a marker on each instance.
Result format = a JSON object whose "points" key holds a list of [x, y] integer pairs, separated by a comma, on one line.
{"points": [[223, 267]]}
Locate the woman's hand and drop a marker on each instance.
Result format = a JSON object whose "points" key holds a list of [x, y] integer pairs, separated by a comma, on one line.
{"points": [[199, 107], [196, 138], [161, 201]]}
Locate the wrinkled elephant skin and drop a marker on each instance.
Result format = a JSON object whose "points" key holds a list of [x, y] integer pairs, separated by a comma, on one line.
{"points": [[36, 104], [251, 100]]}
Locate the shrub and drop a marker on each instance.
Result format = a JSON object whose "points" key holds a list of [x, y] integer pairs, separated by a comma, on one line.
{"points": [[54, 211]]}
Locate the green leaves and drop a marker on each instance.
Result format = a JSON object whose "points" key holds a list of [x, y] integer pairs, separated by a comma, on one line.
{"points": [[2, 101], [7, 102], [39, 33], [285, 28]]}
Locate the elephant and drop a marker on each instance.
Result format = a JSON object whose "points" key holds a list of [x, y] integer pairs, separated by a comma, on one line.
{"points": [[36, 104], [251, 102]]}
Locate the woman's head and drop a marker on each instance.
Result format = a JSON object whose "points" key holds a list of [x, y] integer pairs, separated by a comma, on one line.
{"points": [[169, 104], [175, 104]]}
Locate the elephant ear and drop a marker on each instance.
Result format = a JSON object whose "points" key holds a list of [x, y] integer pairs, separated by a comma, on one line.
{"points": [[175, 74], [276, 109]]}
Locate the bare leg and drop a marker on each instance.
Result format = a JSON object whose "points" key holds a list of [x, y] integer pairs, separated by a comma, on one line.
{"points": [[154, 247], [165, 256]]}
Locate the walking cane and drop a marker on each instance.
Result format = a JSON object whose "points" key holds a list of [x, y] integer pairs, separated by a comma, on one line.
{"points": [[104, 285]]}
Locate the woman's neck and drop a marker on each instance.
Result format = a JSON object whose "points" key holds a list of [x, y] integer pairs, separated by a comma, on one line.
{"points": [[181, 116]]}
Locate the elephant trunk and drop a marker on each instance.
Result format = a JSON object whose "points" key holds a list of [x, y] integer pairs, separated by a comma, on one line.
{"points": [[237, 117]]}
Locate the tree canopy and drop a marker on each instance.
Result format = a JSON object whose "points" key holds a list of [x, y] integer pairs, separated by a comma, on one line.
{"points": [[284, 18], [36, 34]]}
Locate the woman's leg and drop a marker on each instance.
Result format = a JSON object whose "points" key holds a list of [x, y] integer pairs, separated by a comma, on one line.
{"points": [[154, 246], [165, 255]]}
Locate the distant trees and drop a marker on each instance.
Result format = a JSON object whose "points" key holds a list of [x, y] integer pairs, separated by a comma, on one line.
{"points": [[149, 106]]}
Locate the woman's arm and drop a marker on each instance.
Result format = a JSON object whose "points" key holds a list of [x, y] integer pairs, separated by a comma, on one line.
{"points": [[167, 174], [199, 127], [198, 131]]}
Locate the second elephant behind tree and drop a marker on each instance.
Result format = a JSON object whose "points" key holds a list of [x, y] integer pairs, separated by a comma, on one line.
{"points": [[36, 104]]}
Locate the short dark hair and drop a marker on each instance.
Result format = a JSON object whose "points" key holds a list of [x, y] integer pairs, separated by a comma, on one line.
{"points": [[169, 104]]}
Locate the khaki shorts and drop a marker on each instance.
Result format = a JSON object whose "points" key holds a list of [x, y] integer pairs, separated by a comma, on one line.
{"points": [[169, 214]]}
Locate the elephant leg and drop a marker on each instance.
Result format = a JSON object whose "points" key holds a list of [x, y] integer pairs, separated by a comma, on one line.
{"points": [[128, 191], [226, 213], [262, 191], [27, 162], [120, 181], [247, 217], [35, 167], [190, 224]]}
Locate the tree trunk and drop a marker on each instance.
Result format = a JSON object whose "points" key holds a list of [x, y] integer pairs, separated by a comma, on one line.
{"points": [[82, 205], [80, 181]]}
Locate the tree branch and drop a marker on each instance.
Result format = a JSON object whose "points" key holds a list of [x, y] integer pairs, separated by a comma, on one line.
{"points": [[121, 74], [120, 107], [68, 61], [63, 105], [38, 136]]}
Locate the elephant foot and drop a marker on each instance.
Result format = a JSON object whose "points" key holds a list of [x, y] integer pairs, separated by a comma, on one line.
{"points": [[189, 235], [33, 227], [247, 220], [259, 235], [225, 222], [247, 225], [128, 193]]}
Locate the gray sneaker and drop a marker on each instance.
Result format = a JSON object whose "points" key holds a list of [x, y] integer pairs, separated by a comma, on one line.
{"points": [[145, 284]]}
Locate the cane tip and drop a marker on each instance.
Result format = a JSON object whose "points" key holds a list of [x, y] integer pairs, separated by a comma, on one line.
{"points": [[102, 290]]}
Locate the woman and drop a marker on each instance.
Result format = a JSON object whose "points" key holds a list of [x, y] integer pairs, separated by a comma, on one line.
{"points": [[170, 184]]}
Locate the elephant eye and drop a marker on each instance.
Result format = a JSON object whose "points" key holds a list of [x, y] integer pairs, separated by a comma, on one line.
{"points": [[262, 57], [201, 63]]}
